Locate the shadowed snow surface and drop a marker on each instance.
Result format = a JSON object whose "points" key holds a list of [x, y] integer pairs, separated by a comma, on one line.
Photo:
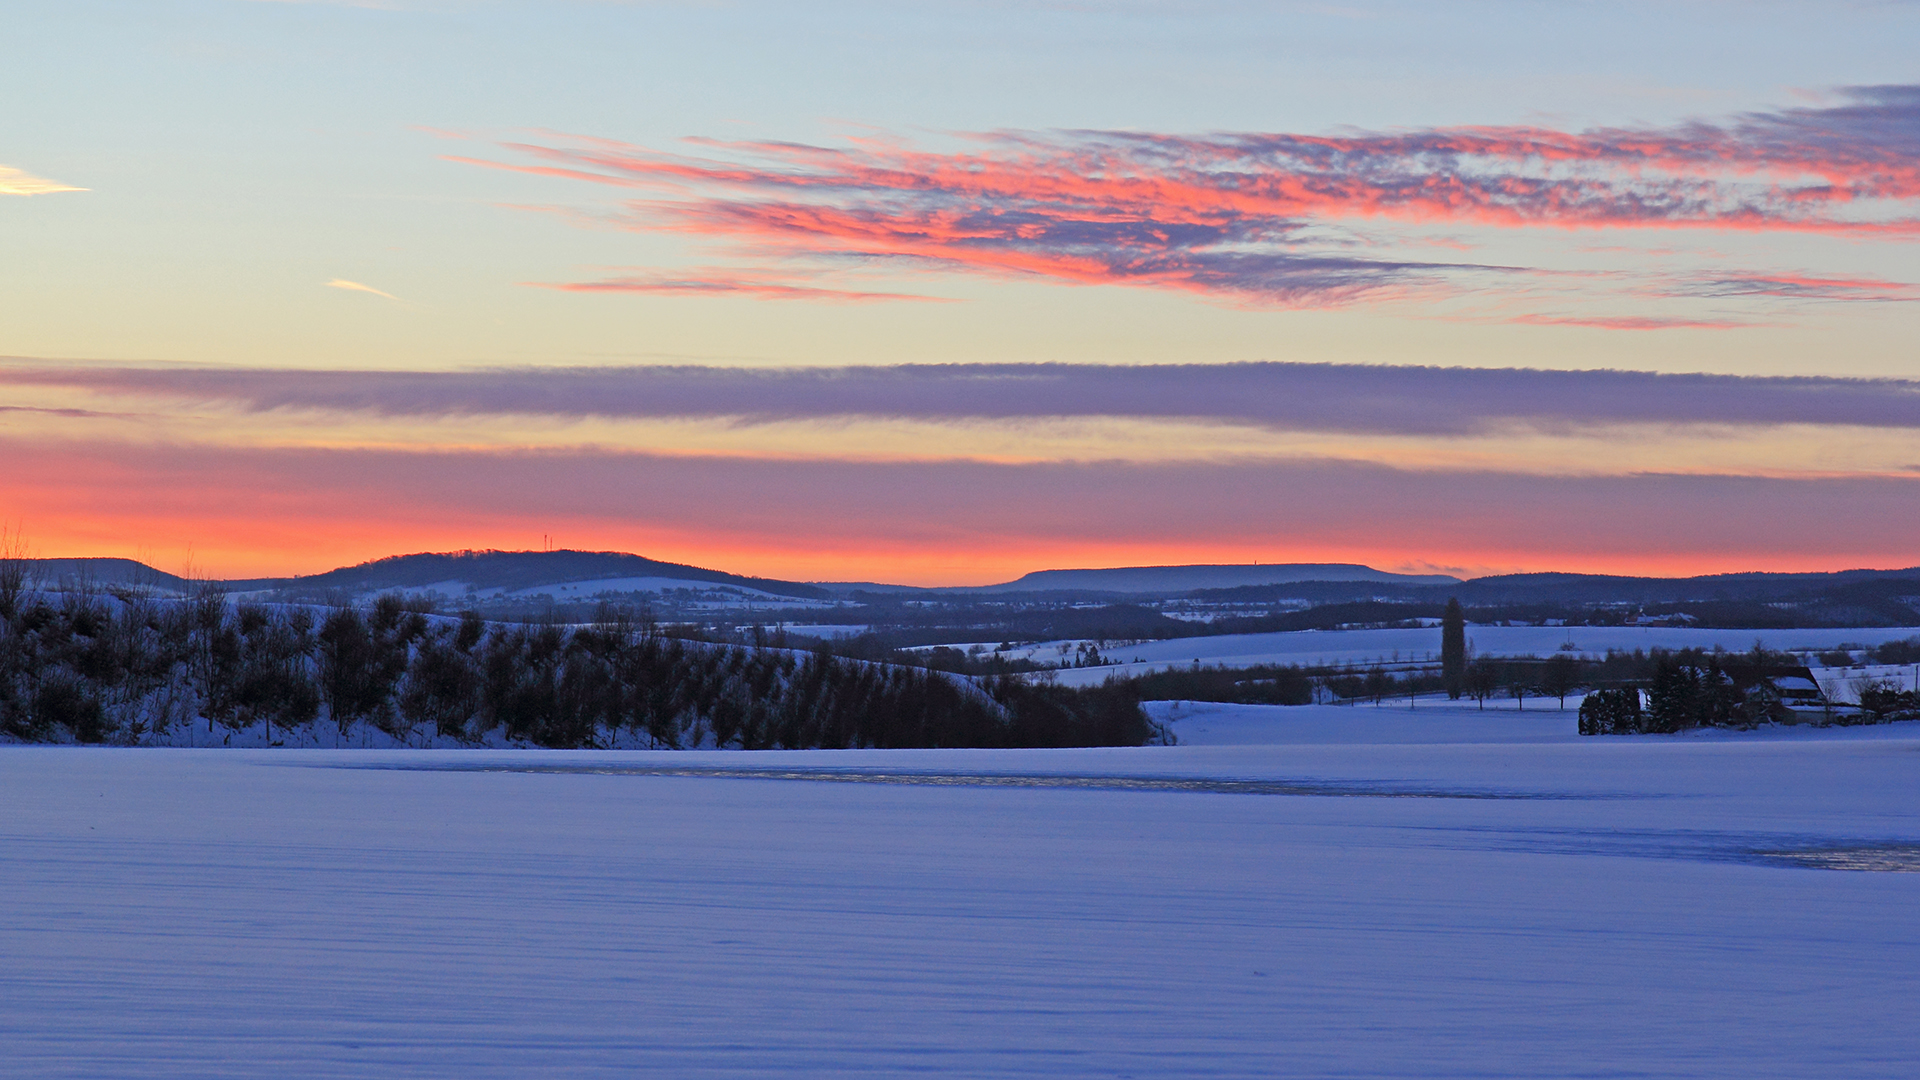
{"points": [[1546, 907]]}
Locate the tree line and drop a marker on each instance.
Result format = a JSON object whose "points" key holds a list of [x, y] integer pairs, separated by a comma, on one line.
{"points": [[1290, 684], [130, 668], [1693, 688]]}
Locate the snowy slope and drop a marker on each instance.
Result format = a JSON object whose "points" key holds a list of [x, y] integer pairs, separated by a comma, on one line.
{"points": [[1500, 907], [700, 592]]}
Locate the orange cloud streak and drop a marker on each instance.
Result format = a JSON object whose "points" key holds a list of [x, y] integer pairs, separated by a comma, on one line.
{"points": [[1242, 216]]}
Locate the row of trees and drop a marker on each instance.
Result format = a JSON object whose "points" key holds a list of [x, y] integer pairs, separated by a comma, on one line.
{"points": [[1884, 700], [1688, 689], [1258, 685], [1681, 696], [1692, 689], [133, 669], [1274, 684], [1482, 678], [1904, 651]]}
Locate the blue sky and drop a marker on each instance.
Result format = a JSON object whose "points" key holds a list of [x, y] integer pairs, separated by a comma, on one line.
{"points": [[273, 187]]}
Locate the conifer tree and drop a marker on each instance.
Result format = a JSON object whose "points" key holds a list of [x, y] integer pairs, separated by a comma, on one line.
{"points": [[1453, 649]]}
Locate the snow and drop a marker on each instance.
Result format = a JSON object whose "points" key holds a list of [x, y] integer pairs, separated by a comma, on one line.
{"points": [[1430, 720], [1844, 684], [705, 590], [1370, 646], [453, 588], [825, 630], [1435, 720], [1363, 892], [710, 593]]}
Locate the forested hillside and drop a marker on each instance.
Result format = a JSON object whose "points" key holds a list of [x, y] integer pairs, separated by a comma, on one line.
{"points": [[512, 570], [129, 668]]}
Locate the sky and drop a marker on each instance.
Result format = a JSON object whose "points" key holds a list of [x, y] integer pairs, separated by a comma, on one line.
{"points": [[943, 293]]}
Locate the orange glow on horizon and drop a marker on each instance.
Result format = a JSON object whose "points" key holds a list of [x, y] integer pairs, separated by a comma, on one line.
{"points": [[240, 549], [244, 513]]}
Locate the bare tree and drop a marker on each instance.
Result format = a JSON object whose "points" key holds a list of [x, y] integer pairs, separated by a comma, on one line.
{"points": [[1559, 676], [1483, 678], [16, 570], [1517, 689]]}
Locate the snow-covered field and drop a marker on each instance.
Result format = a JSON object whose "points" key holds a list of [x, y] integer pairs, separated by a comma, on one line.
{"points": [[1369, 646], [1430, 720], [1294, 892], [825, 630], [1435, 720]]}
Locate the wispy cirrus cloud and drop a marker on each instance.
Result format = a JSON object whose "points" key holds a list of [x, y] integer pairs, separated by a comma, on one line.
{"points": [[1631, 322], [1347, 398], [355, 286], [1250, 217], [19, 182], [1799, 287], [721, 282]]}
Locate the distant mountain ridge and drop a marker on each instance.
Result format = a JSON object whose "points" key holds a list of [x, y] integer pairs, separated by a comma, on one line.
{"points": [[1607, 588], [1175, 579], [104, 572], [516, 570], [512, 571], [1869, 596], [1759, 600], [508, 571]]}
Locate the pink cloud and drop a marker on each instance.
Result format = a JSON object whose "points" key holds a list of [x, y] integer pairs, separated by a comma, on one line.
{"points": [[1232, 215]]}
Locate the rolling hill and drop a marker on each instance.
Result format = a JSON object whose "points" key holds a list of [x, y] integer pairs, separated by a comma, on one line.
{"points": [[1167, 580]]}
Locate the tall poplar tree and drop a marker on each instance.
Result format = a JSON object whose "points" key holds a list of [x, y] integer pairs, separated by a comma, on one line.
{"points": [[1453, 649]]}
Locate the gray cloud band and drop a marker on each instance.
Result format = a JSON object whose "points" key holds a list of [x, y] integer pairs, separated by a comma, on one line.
{"points": [[841, 503], [1432, 401]]}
